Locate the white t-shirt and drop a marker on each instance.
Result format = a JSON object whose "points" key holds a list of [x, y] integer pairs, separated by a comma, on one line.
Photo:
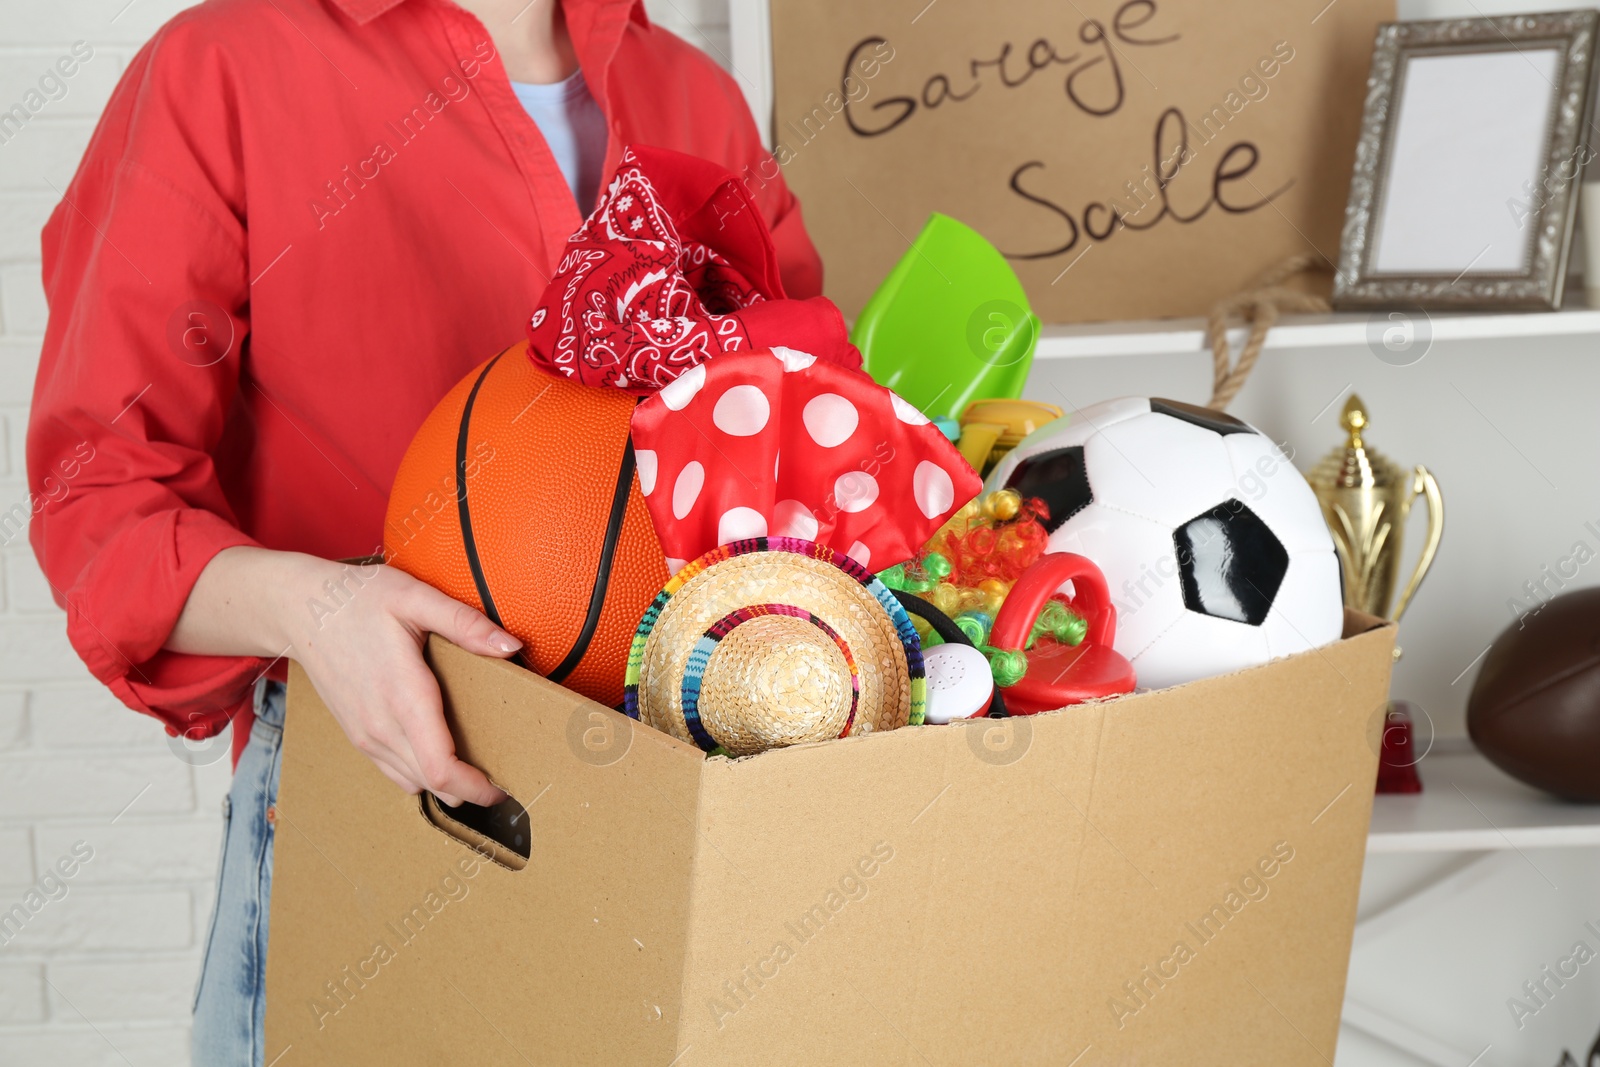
{"points": [[575, 129]]}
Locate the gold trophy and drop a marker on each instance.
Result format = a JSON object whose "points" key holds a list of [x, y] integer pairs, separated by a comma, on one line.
{"points": [[1365, 500]]}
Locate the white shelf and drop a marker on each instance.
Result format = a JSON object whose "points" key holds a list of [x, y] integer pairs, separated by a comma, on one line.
{"points": [[1468, 805], [1157, 337]]}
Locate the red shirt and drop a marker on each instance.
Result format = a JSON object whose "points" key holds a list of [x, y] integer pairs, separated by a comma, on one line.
{"points": [[298, 224]]}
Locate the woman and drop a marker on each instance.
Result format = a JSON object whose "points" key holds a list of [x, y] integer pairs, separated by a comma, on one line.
{"points": [[297, 225]]}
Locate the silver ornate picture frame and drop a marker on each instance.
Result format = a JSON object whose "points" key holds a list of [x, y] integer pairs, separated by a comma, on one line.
{"points": [[1451, 124]]}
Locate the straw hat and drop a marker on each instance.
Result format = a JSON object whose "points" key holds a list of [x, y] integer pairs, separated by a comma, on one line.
{"points": [[774, 641]]}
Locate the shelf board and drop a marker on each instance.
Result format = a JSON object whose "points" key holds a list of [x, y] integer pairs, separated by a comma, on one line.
{"points": [[1469, 805], [1158, 337]]}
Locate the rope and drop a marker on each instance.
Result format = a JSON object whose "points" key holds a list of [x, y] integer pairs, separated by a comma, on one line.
{"points": [[1259, 307]]}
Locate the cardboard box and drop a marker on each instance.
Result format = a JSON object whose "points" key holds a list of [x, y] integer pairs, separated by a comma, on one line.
{"points": [[1166, 878]]}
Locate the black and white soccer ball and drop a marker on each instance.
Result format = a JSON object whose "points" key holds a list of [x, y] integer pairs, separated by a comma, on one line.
{"points": [[1212, 543]]}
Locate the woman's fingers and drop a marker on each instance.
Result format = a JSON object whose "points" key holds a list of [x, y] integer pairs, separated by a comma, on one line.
{"points": [[377, 737], [395, 776], [400, 761], [383, 693], [442, 774], [432, 750], [433, 612]]}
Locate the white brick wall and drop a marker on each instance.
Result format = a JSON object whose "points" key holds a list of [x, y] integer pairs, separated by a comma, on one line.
{"points": [[105, 975]]}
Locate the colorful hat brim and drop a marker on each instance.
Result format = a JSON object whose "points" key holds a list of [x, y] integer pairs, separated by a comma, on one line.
{"points": [[705, 643]]}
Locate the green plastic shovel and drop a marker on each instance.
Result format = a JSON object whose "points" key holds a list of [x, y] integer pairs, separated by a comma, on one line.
{"points": [[950, 324]]}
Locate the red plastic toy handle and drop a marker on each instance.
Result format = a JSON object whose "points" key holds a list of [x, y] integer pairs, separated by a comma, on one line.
{"points": [[1039, 583]]}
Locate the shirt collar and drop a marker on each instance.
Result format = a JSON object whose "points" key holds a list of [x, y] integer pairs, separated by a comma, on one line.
{"points": [[364, 11]]}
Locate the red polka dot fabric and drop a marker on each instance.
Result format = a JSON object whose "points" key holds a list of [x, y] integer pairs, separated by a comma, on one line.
{"points": [[782, 444]]}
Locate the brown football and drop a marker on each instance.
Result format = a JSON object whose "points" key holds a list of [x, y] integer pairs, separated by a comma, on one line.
{"points": [[1535, 708]]}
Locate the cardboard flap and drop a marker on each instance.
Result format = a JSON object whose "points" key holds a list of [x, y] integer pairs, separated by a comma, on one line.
{"points": [[499, 713]]}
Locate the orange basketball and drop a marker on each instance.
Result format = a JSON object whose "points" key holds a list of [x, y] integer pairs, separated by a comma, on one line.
{"points": [[547, 535]]}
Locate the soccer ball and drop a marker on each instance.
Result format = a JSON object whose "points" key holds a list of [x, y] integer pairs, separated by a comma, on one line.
{"points": [[1213, 545]]}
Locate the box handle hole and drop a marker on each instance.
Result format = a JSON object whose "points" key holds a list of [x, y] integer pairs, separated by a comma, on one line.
{"points": [[500, 831]]}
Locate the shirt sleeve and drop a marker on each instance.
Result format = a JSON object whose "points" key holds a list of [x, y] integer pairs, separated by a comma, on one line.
{"points": [[146, 268], [798, 261]]}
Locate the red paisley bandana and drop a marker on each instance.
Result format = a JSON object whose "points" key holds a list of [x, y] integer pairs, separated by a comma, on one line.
{"points": [[675, 265]]}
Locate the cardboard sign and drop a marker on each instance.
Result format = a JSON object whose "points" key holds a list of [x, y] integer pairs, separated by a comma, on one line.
{"points": [[1131, 158]]}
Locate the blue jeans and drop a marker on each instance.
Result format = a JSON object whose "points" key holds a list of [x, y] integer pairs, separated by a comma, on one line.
{"points": [[230, 1003]]}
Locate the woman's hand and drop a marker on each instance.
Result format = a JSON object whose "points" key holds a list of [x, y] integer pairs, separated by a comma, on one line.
{"points": [[358, 632]]}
